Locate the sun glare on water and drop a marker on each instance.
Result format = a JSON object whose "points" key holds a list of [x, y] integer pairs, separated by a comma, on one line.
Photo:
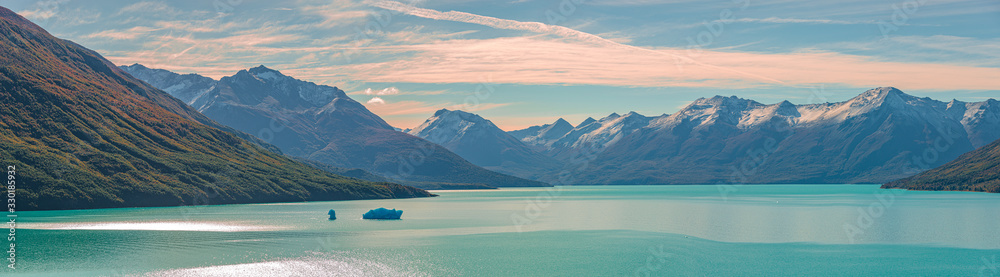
{"points": [[153, 226]]}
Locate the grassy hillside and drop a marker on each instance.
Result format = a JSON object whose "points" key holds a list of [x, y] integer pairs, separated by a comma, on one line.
{"points": [[83, 134], [978, 170]]}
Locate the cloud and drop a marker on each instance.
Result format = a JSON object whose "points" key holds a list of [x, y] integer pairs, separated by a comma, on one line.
{"points": [[556, 30], [376, 100], [800, 20], [589, 59], [542, 54], [129, 34], [936, 48], [385, 91], [43, 10], [335, 13], [536, 60], [150, 7]]}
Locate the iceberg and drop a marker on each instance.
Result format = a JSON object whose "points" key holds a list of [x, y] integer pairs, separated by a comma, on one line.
{"points": [[383, 213], [333, 215]]}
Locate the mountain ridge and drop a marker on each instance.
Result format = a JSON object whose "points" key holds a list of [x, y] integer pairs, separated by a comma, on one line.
{"points": [[481, 142], [322, 123], [83, 134], [706, 136], [870, 138]]}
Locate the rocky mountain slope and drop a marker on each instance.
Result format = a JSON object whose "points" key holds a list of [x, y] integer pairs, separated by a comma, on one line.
{"points": [[83, 134], [322, 123], [481, 142], [879, 136]]}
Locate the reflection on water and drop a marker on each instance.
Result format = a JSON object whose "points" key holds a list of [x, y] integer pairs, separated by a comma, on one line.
{"points": [[325, 266]]}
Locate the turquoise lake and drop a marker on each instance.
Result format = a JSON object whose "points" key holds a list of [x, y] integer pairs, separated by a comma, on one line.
{"points": [[855, 230]]}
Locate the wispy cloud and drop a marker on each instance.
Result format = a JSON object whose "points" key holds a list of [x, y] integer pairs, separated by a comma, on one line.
{"points": [[928, 49], [335, 13], [801, 20], [150, 7], [561, 31], [539, 60], [535, 53]]}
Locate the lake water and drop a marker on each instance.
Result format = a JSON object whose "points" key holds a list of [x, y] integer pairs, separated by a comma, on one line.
{"points": [[571, 231]]}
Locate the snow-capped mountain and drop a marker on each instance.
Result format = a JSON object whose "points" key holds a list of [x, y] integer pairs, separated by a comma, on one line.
{"points": [[322, 123], [481, 142], [560, 138], [543, 135], [878, 136], [187, 87], [980, 119], [599, 134]]}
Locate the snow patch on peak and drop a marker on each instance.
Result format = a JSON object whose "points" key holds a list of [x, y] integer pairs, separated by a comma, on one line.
{"points": [[633, 114], [758, 115], [884, 91], [447, 126], [586, 122], [270, 76], [605, 132]]}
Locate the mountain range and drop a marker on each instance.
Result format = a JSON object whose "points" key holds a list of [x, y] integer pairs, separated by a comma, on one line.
{"points": [[323, 124], [482, 143], [81, 133], [879, 136]]}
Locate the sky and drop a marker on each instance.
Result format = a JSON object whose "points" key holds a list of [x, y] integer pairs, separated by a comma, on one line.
{"points": [[529, 62]]}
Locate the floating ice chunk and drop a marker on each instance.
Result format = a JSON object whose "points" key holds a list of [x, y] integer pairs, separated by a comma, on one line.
{"points": [[333, 215], [383, 213]]}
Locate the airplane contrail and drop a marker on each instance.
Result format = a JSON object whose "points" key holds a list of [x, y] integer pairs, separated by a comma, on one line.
{"points": [[539, 27]]}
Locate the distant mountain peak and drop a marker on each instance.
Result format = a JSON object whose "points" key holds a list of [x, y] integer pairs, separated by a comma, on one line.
{"points": [[611, 116], [885, 91], [137, 65], [461, 115], [885, 96], [787, 109], [589, 120], [441, 111], [561, 121], [262, 72], [633, 114], [455, 123], [720, 104], [261, 68]]}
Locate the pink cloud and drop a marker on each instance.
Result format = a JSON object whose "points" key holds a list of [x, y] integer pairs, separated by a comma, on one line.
{"points": [[539, 60]]}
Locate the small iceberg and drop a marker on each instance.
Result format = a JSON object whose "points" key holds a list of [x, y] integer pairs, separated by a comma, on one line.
{"points": [[383, 213], [333, 215]]}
